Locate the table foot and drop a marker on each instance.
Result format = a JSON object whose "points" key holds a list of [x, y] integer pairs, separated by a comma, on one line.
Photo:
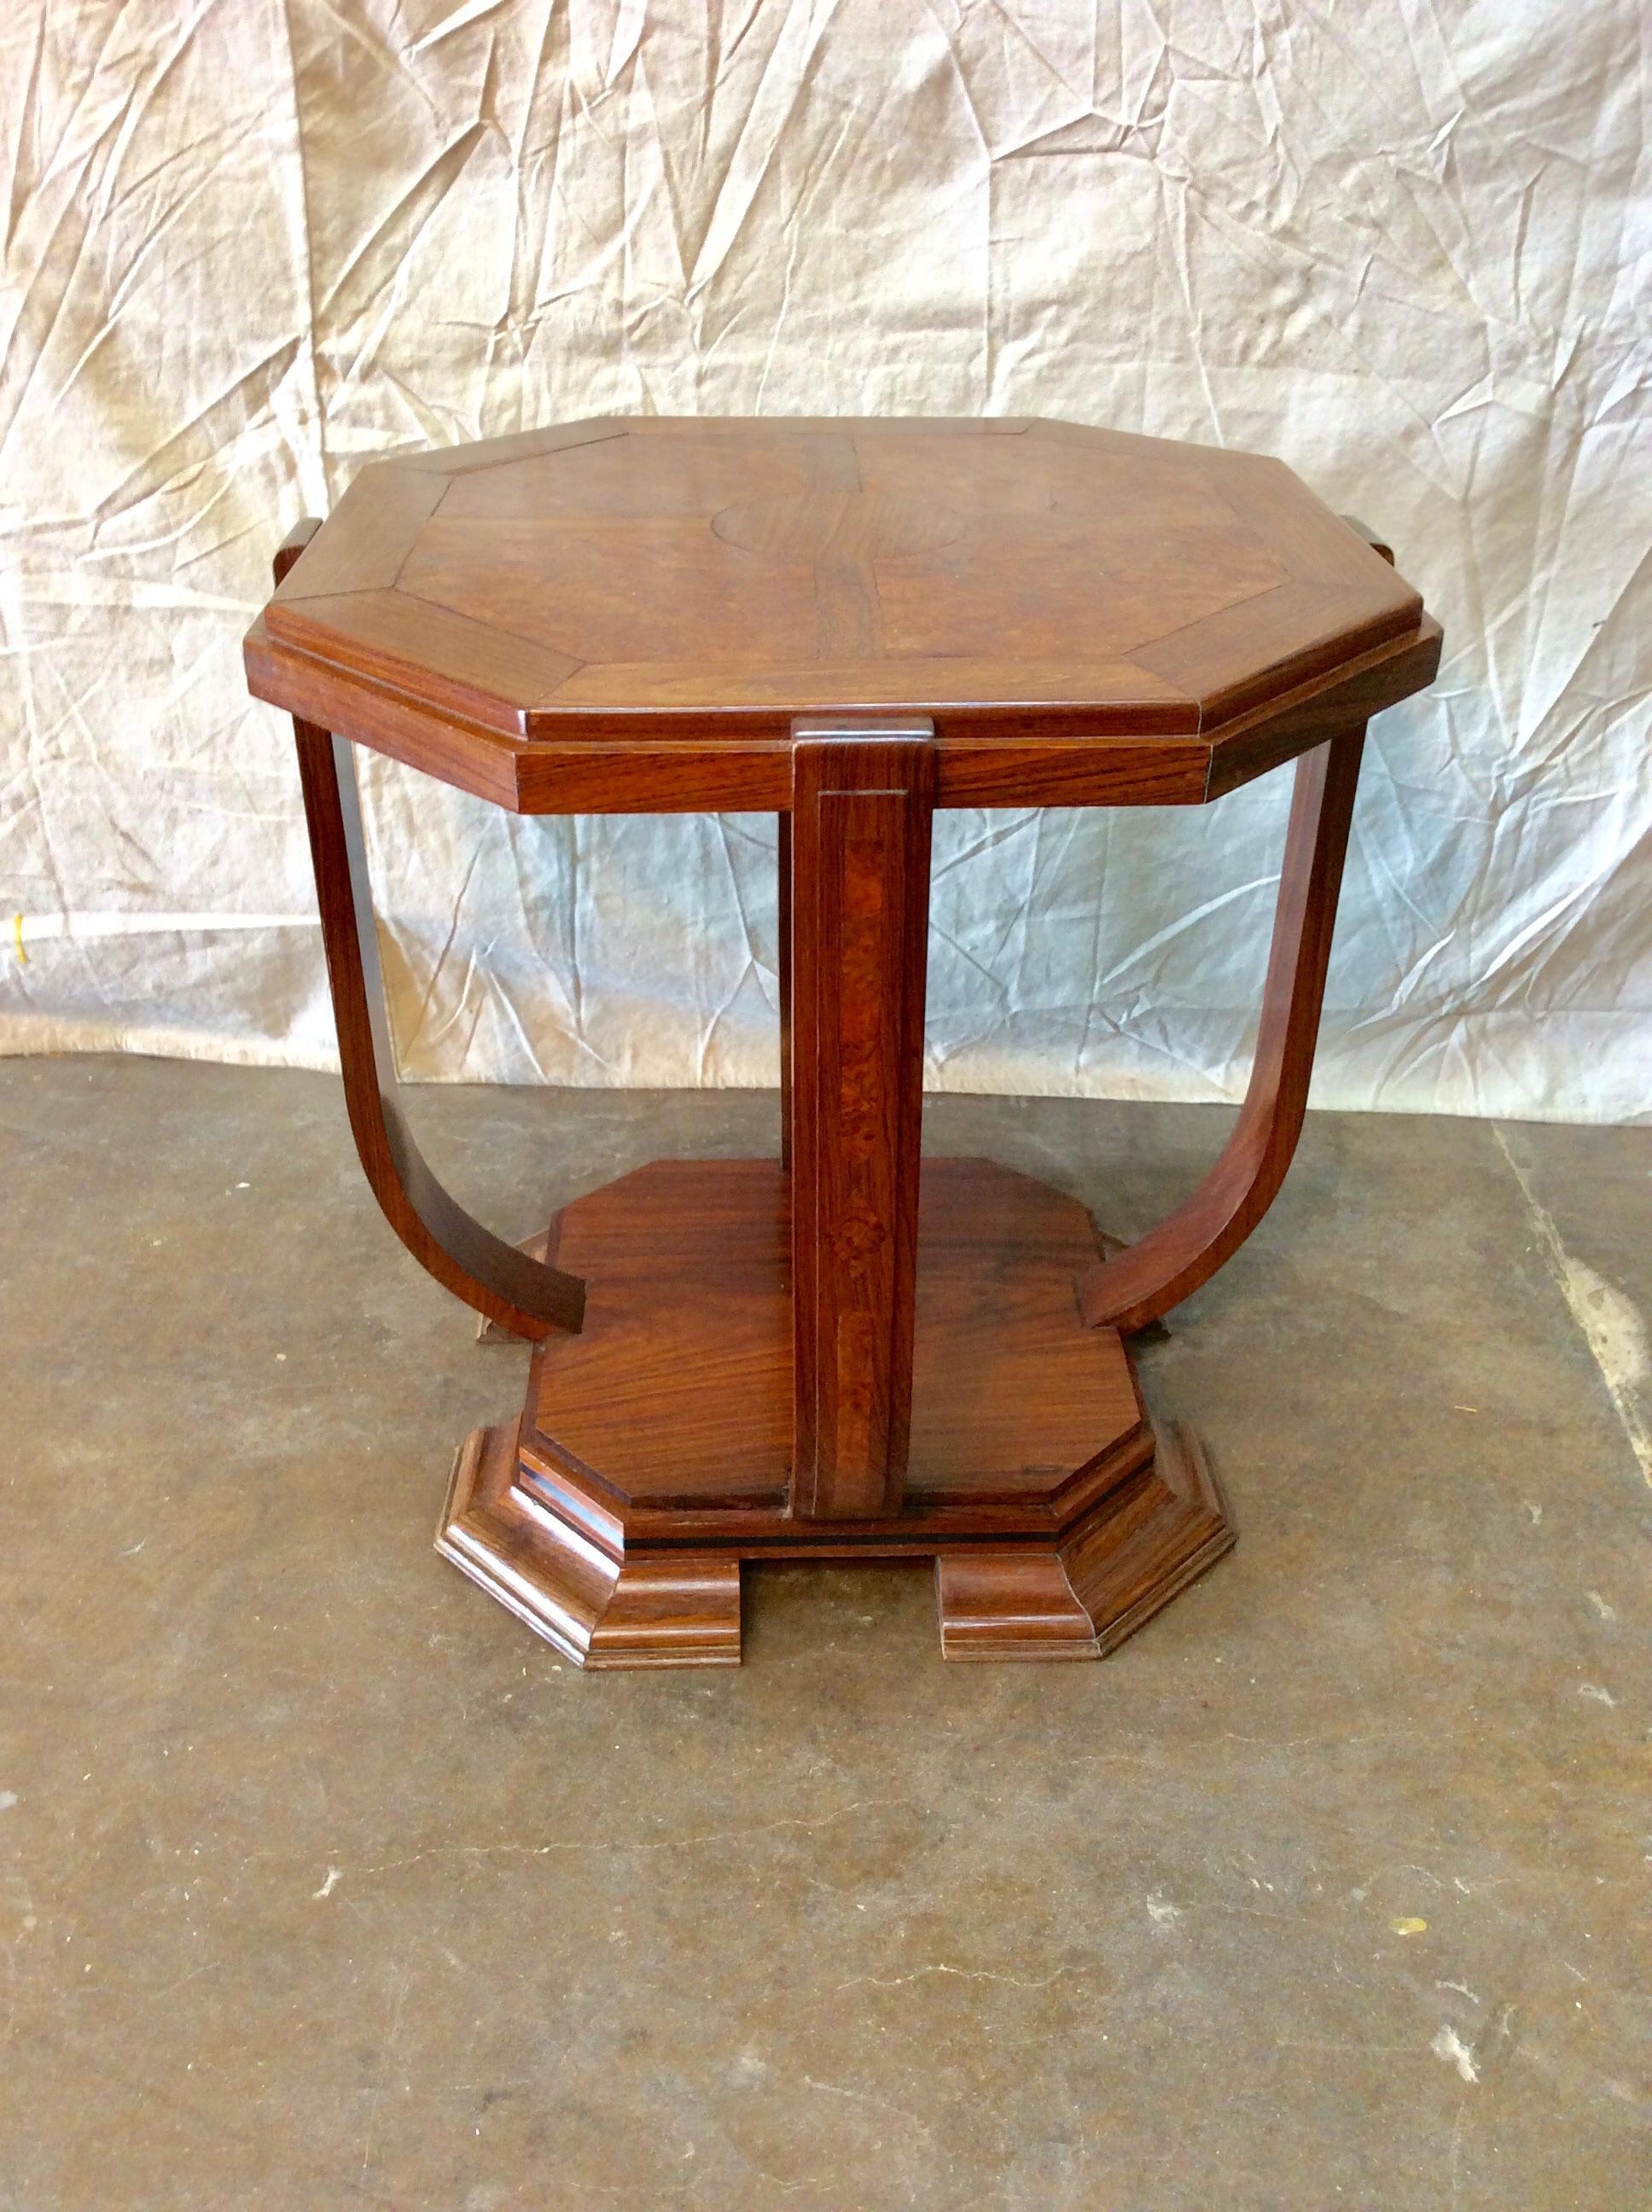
{"points": [[681, 1609], [655, 1451], [1081, 1597]]}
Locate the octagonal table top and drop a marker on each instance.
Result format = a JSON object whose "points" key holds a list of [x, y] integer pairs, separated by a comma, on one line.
{"points": [[635, 612]]}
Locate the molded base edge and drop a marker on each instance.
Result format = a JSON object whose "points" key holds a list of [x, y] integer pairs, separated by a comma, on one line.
{"points": [[1073, 1598]]}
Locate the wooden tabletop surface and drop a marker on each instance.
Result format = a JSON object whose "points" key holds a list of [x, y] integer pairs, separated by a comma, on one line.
{"points": [[641, 607]]}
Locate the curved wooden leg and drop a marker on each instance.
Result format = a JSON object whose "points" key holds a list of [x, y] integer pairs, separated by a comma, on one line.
{"points": [[521, 1294], [1185, 1250]]}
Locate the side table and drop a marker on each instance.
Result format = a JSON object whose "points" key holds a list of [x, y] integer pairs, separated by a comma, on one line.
{"points": [[849, 624]]}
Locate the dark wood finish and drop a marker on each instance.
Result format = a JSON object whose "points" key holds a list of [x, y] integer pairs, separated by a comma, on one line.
{"points": [[1149, 1539], [861, 809], [1185, 1250], [1015, 767], [675, 1609], [1260, 742], [449, 661], [500, 1281], [1378, 543], [655, 1452], [496, 1278], [542, 1246], [1110, 1573], [298, 540], [783, 935], [672, 1412], [847, 624], [1113, 607]]}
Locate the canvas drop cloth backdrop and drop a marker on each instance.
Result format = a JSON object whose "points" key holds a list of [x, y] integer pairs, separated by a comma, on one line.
{"points": [[248, 247]]}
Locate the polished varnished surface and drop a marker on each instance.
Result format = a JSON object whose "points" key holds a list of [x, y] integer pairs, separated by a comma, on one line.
{"points": [[513, 1289], [602, 524], [1150, 1521], [858, 950], [679, 1395], [1135, 1287], [323, 1884], [659, 1447], [632, 581], [1138, 1546]]}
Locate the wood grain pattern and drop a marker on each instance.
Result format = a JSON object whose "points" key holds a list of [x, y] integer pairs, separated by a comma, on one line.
{"points": [[671, 1412], [1009, 766], [1149, 1539], [966, 690], [1303, 718], [1185, 1250], [846, 623], [523, 444], [861, 810], [452, 662], [1009, 1605], [482, 761], [1263, 648], [646, 606], [364, 541], [1058, 1521], [1106, 1577], [783, 957], [681, 1609], [500, 1281]]}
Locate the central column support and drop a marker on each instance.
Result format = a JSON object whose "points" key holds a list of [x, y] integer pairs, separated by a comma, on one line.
{"points": [[862, 804]]}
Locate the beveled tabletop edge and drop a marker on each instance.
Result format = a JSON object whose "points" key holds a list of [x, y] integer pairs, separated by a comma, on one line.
{"points": [[476, 685], [1001, 753]]}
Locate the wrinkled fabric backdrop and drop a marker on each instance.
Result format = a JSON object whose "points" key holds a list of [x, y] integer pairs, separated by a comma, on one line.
{"points": [[250, 245]]}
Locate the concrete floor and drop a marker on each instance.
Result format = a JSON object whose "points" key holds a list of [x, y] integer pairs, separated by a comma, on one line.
{"points": [[323, 1884]]}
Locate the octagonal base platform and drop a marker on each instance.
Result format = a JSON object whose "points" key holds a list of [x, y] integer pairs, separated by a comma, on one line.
{"points": [[654, 1452]]}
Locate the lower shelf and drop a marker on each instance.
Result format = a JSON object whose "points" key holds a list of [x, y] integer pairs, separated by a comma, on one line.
{"points": [[654, 1451]]}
